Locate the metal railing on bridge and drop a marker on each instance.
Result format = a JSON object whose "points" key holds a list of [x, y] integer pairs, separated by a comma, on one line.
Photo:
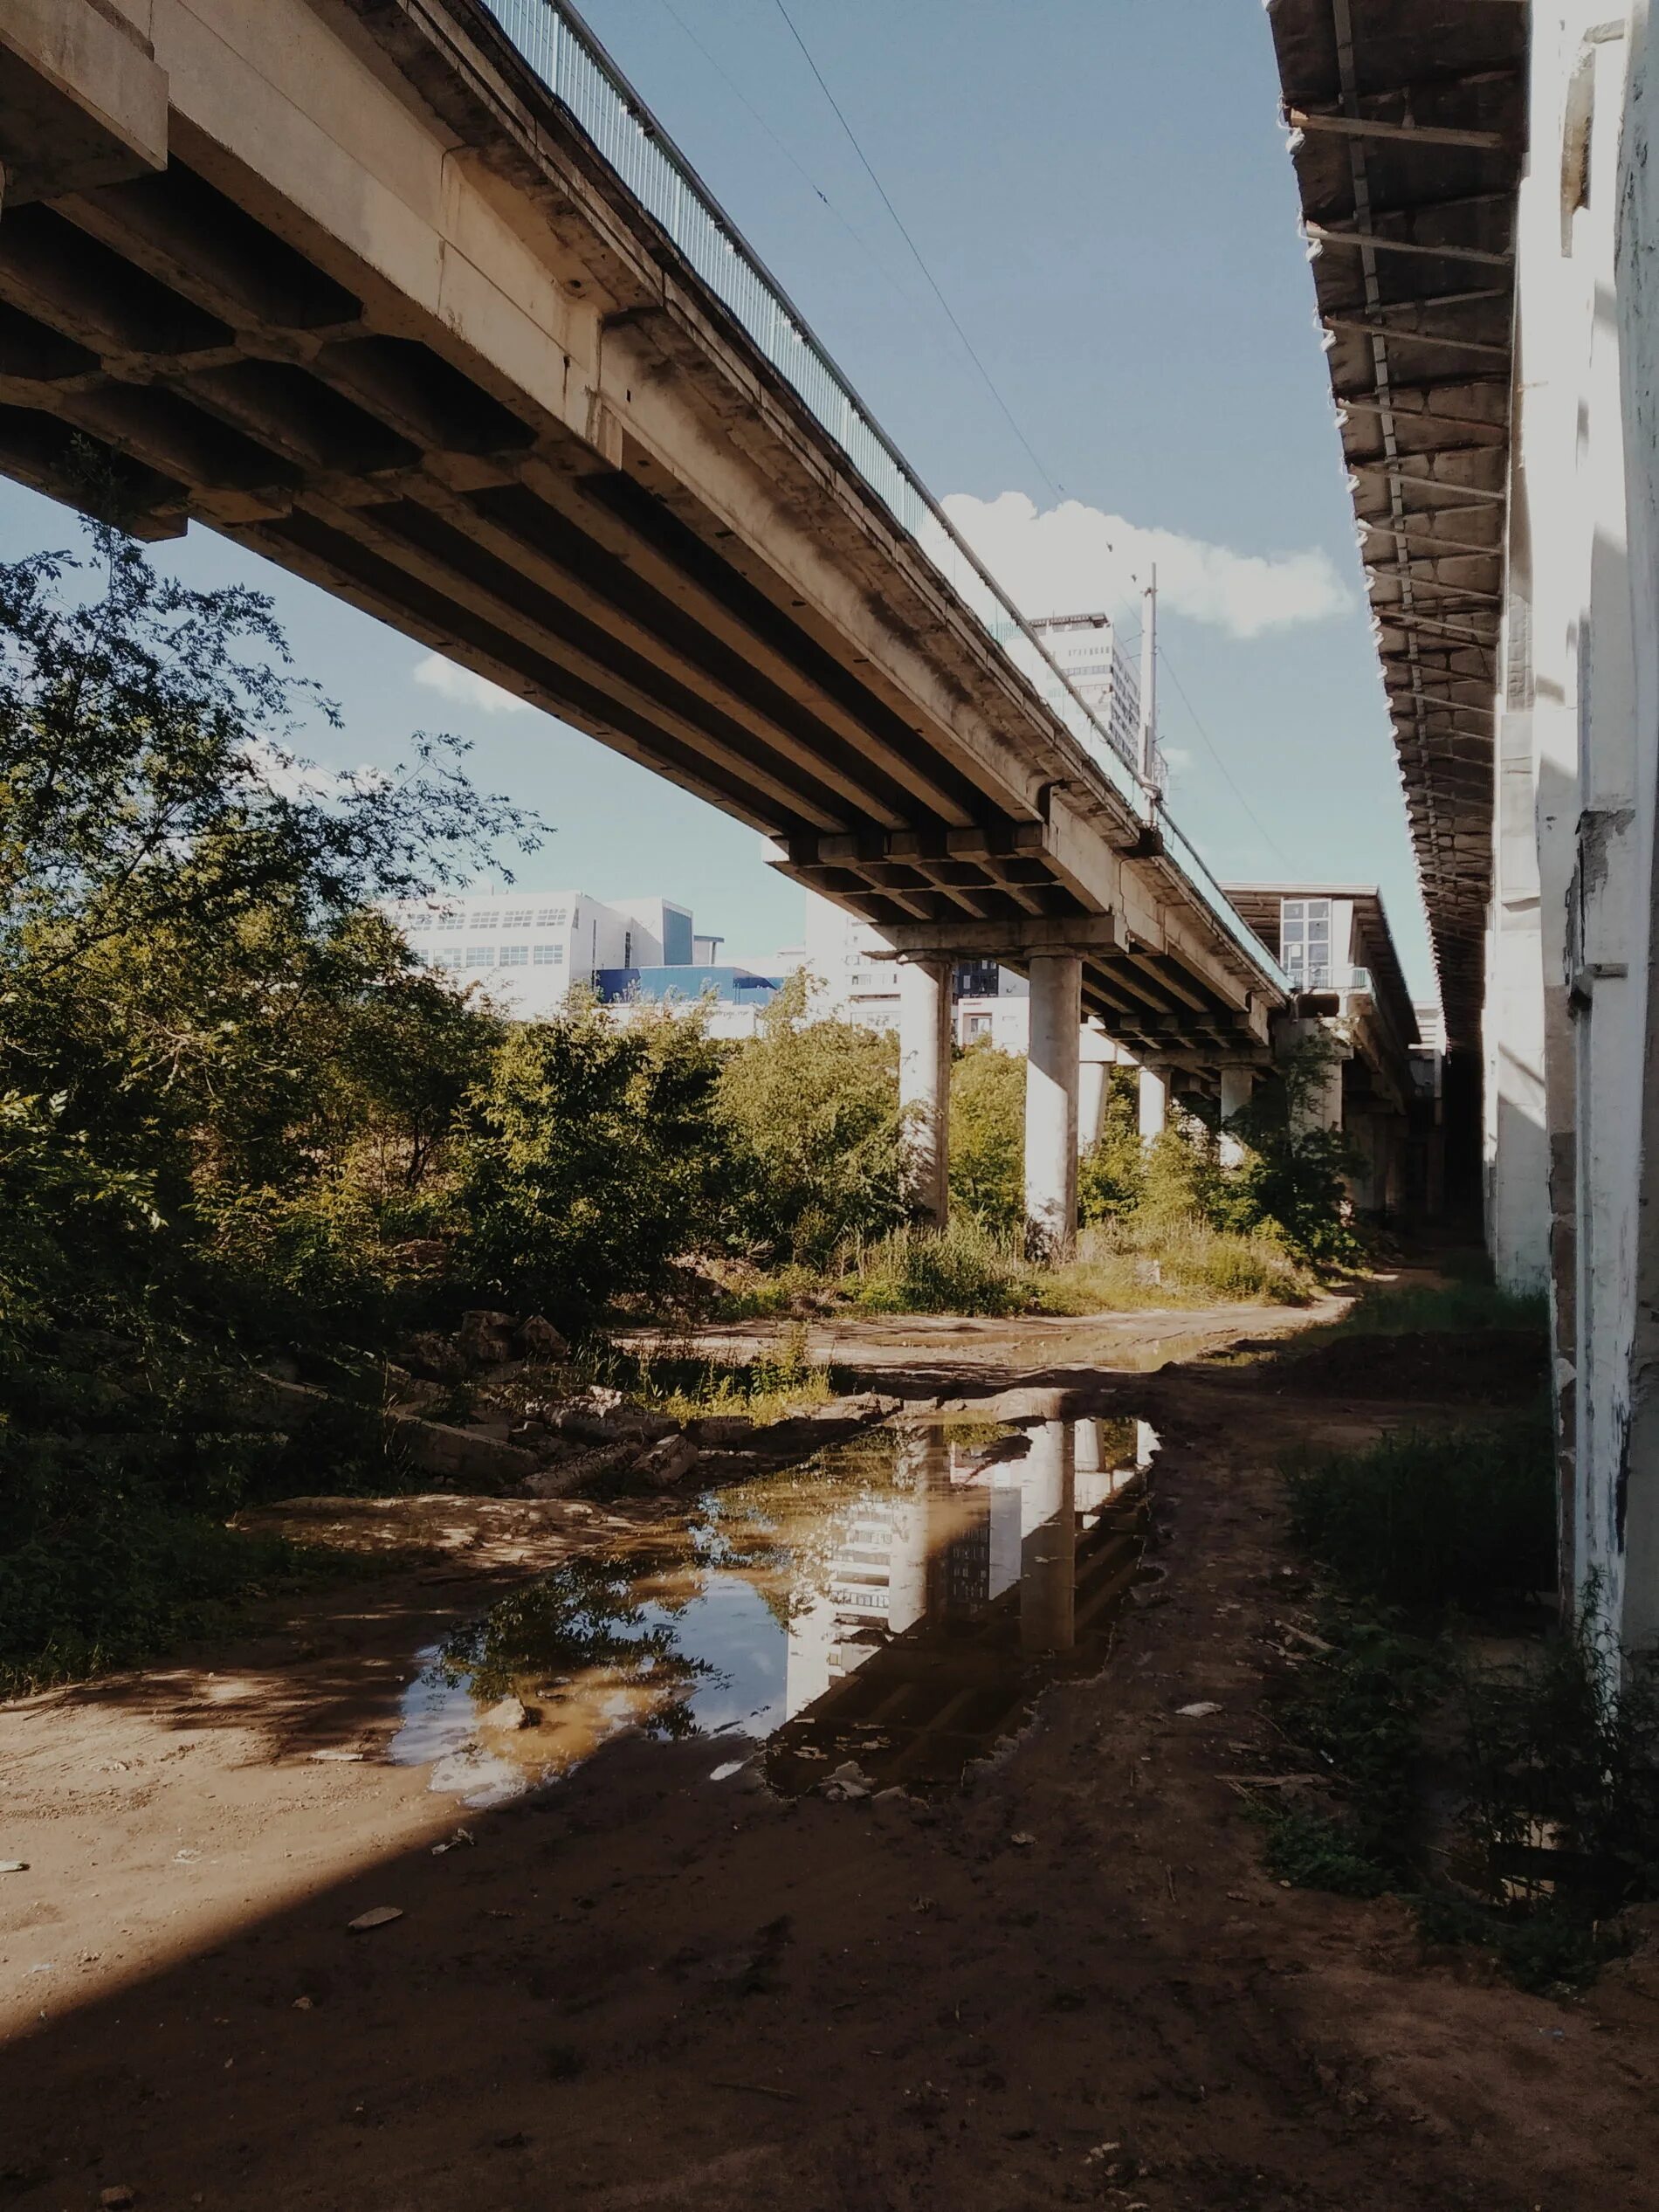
{"points": [[575, 69]]}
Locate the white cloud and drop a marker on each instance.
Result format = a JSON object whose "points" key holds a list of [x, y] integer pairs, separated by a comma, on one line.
{"points": [[462, 688], [1072, 558]]}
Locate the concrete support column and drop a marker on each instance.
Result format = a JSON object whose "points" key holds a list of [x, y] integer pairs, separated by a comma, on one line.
{"points": [[1154, 1103], [1238, 1085], [1097, 1056], [1051, 1104], [925, 1086], [1322, 1109]]}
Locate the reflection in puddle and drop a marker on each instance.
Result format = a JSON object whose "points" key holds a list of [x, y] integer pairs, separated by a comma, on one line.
{"points": [[899, 1599]]}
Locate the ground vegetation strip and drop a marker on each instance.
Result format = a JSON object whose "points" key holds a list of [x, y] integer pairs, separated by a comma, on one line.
{"points": [[1456, 1742]]}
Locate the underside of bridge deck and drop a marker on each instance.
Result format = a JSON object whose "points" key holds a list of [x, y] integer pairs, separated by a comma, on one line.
{"points": [[1411, 117]]}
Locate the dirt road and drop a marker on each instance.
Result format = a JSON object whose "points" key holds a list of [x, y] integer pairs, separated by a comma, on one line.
{"points": [[1070, 1983]]}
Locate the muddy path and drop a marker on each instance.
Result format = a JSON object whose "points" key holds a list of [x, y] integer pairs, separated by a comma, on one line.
{"points": [[1070, 1982]]}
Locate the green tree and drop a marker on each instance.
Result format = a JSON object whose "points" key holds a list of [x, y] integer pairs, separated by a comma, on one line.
{"points": [[1113, 1171], [219, 1068], [588, 1157], [987, 1136], [1294, 1175], [814, 1109], [190, 966]]}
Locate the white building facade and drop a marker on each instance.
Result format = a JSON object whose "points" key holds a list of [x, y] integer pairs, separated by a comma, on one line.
{"points": [[527, 947]]}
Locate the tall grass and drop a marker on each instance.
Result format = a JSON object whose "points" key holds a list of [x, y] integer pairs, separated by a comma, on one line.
{"points": [[690, 1387], [967, 1269], [1428, 1520], [1180, 1260], [1440, 1309], [963, 1269]]}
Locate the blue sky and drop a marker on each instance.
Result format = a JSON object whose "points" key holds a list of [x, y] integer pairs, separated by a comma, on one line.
{"points": [[1100, 190]]}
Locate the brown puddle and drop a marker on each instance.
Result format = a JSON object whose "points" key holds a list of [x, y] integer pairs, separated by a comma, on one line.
{"points": [[900, 1601]]}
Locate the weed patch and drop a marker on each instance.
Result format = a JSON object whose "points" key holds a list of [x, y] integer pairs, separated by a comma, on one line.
{"points": [[1464, 1518], [1437, 1309], [1555, 1757]]}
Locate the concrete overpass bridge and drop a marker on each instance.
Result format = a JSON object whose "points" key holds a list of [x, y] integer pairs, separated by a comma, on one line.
{"points": [[414, 298]]}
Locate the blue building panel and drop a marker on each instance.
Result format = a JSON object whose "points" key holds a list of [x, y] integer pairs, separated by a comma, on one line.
{"points": [[677, 937], [729, 986]]}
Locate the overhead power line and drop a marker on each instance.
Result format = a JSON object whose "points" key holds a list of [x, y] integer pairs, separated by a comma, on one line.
{"points": [[789, 155], [932, 282], [1271, 843]]}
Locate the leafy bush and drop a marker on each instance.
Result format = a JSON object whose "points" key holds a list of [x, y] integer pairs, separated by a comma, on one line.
{"points": [[587, 1157], [1462, 1517], [1294, 1171], [1112, 1171], [813, 1110], [988, 1138], [963, 1269]]}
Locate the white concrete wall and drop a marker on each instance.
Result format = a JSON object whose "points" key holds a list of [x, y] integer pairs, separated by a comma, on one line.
{"points": [[1571, 1084]]}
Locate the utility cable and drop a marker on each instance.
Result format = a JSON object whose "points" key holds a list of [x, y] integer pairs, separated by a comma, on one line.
{"points": [[806, 176], [1269, 842], [932, 281]]}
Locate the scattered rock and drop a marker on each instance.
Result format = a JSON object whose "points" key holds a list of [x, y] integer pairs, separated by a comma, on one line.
{"points": [[305, 2004], [470, 1454], [461, 1835], [666, 1463], [14, 1866], [115, 2198], [434, 1356], [555, 1479], [847, 1782], [338, 1758], [1023, 1839], [598, 1397], [613, 1424], [895, 1803], [1202, 1711], [508, 1712], [485, 1339], [721, 1432], [538, 1339], [378, 1916]]}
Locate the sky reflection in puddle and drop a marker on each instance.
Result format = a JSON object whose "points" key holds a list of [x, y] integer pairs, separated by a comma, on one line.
{"points": [[899, 1599]]}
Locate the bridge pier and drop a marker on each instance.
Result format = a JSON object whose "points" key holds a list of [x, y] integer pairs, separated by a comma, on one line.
{"points": [[1154, 1103], [1096, 1061], [925, 1086], [1052, 1068], [1238, 1085]]}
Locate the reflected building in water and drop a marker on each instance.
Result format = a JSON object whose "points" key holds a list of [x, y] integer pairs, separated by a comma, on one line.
{"points": [[961, 1525]]}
